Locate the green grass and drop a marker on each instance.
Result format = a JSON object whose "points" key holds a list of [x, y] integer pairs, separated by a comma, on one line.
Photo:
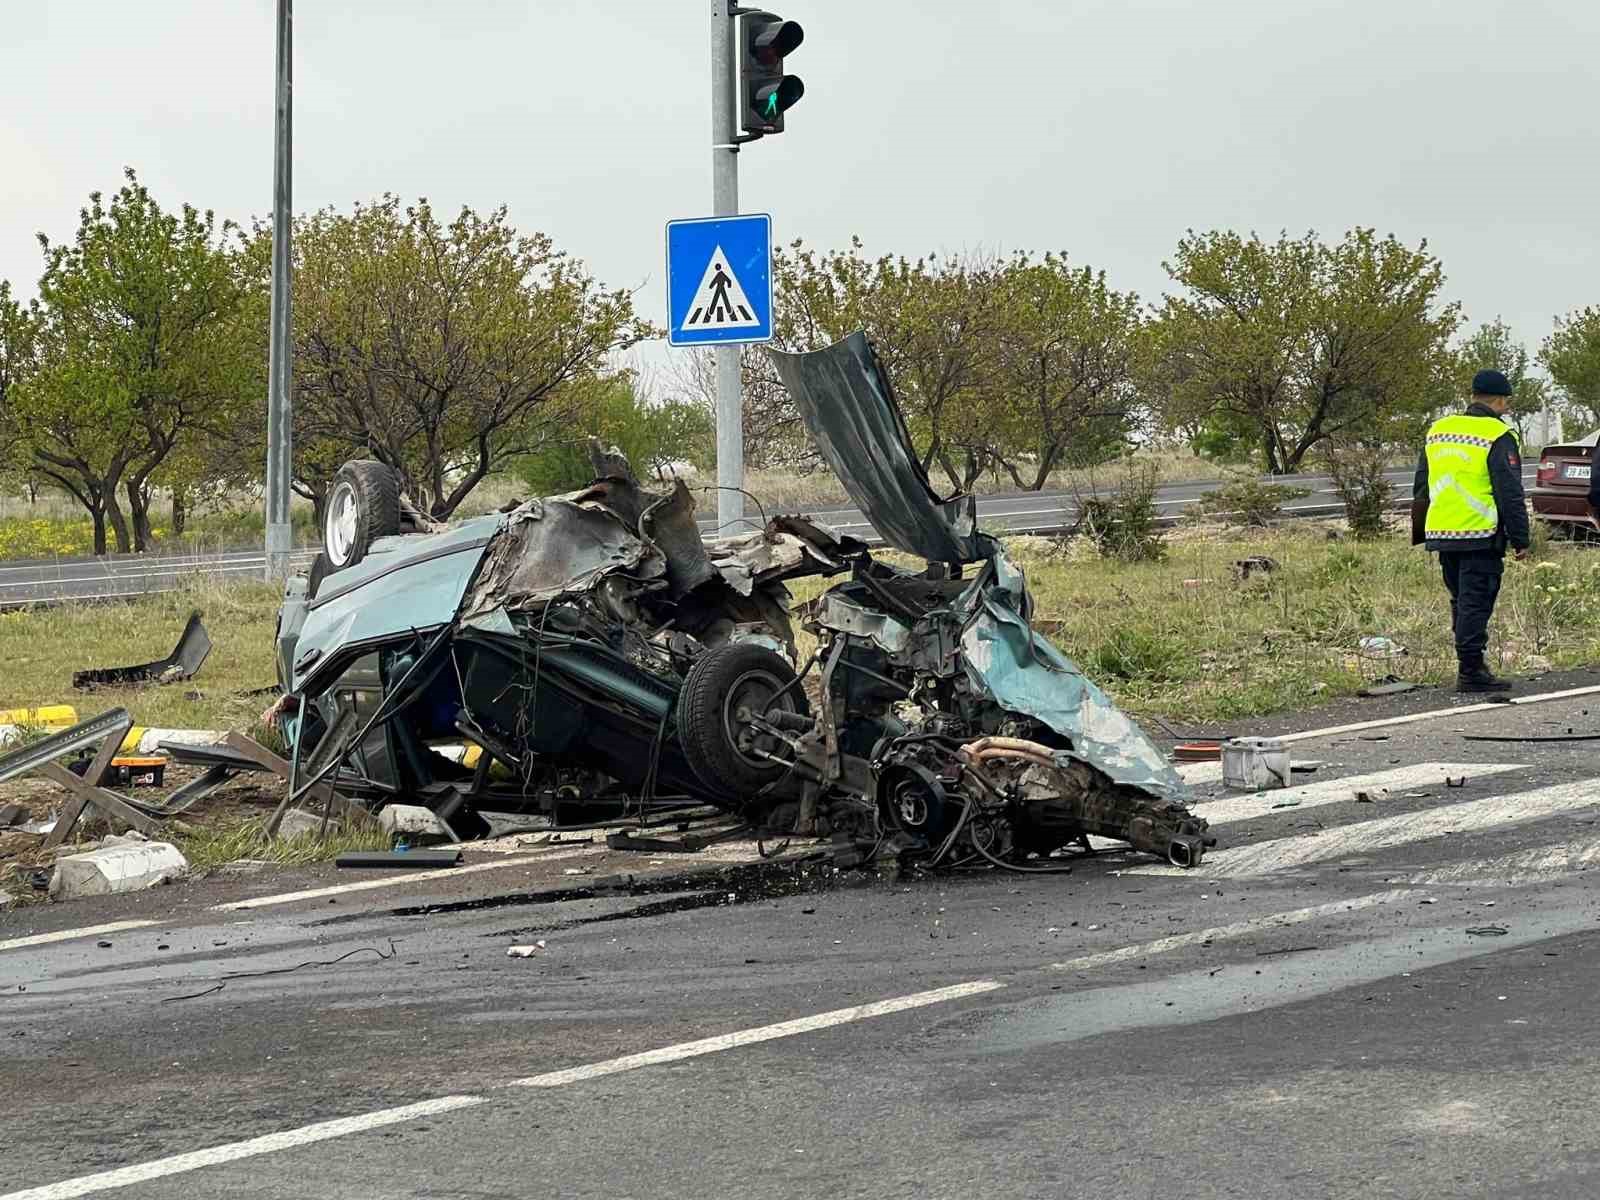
{"points": [[44, 646], [1181, 638], [212, 847]]}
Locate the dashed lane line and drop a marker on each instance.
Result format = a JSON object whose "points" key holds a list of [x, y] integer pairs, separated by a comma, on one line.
{"points": [[65, 935], [288, 1139], [322, 1131], [751, 1037], [367, 885]]}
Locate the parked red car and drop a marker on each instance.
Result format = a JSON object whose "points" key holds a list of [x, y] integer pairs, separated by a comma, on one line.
{"points": [[1561, 489]]}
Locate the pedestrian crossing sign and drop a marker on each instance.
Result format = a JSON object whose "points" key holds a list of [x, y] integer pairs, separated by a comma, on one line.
{"points": [[719, 280]]}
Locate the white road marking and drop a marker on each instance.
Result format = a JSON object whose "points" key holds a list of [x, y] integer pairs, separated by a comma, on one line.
{"points": [[1461, 710], [1512, 870], [366, 885], [1197, 773], [1210, 772], [1387, 832], [64, 935], [194, 1160], [1334, 791], [750, 1037], [178, 1164], [1222, 933]]}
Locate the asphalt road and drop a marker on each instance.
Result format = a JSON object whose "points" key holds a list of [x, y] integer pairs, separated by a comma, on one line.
{"points": [[1389, 998], [125, 576]]}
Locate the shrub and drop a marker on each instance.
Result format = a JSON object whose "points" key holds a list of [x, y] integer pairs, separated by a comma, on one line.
{"points": [[1357, 473], [1125, 525], [1246, 500]]}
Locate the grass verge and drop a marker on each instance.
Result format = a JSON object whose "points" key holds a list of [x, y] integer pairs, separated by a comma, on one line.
{"points": [[44, 646], [214, 846], [1180, 638]]}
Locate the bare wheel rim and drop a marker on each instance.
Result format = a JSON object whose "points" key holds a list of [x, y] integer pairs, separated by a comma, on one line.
{"points": [[753, 690], [339, 526]]}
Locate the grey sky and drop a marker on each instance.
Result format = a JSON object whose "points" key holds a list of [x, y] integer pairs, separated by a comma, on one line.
{"points": [[1100, 127]]}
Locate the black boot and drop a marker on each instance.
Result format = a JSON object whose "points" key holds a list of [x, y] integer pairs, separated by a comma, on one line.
{"points": [[1476, 677]]}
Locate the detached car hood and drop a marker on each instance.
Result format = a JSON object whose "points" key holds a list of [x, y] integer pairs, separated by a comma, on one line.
{"points": [[845, 400]]}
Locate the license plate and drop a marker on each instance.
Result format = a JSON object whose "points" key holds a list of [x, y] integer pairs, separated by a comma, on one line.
{"points": [[1571, 472]]}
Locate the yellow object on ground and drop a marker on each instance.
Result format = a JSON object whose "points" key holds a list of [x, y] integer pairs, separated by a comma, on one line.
{"points": [[49, 716]]}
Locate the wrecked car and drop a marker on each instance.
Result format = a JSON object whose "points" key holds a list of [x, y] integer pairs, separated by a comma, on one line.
{"points": [[591, 654]]}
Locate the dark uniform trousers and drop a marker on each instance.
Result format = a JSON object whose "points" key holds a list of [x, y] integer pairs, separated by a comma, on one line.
{"points": [[1473, 577]]}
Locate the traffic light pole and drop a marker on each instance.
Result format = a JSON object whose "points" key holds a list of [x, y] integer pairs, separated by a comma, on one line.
{"points": [[279, 369], [725, 203]]}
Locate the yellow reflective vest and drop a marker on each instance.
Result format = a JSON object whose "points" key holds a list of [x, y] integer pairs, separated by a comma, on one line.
{"points": [[1460, 494]]}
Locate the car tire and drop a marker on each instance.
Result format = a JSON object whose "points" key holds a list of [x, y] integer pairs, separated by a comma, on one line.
{"points": [[720, 682], [363, 505]]}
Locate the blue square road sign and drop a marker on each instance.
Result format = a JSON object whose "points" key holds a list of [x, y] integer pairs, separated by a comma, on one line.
{"points": [[719, 280]]}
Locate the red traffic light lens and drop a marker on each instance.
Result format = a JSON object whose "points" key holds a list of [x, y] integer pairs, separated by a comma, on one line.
{"points": [[773, 41]]}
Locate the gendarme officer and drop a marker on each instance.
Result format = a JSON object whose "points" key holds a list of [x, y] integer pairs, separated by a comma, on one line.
{"points": [[1467, 505]]}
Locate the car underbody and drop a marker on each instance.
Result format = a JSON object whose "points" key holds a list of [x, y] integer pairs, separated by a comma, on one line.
{"points": [[591, 656]]}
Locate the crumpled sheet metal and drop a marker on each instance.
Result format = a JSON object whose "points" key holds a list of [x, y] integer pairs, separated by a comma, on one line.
{"points": [[848, 407], [995, 651], [838, 612], [558, 546], [568, 545]]}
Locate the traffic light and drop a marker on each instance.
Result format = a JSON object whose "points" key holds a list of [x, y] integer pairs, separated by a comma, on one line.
{"points": [[765, 91]]}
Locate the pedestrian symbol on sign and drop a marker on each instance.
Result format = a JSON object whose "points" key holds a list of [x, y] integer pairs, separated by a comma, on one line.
{"points": [[719, 302]]}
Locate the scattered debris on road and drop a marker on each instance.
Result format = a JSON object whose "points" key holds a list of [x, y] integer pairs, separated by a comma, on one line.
{"points": [[1253, 764], [418, 860]]}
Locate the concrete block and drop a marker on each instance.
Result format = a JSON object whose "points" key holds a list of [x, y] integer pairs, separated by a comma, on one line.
{"points": [[411, 819], [130, 867], [297, 822]]}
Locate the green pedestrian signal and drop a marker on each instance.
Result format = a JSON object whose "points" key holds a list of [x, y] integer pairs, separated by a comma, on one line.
{"points": [[766, 93]]}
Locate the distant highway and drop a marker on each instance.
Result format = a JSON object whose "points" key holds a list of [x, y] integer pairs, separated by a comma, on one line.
{"points": [[128, 576]]}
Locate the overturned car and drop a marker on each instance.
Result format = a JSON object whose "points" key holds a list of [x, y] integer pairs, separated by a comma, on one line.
{"points": [[592, 655]]}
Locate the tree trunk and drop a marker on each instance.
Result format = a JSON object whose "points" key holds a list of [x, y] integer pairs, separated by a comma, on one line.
{"points": [[1269, 450], [98, 516], [180, 511], [319, 501], [139, 510], [974, 469], [1047, 463], [119, 523]]}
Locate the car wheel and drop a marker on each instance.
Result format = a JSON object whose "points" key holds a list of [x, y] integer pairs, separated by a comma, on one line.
{"points": [[363, 505], [724, 752]]}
